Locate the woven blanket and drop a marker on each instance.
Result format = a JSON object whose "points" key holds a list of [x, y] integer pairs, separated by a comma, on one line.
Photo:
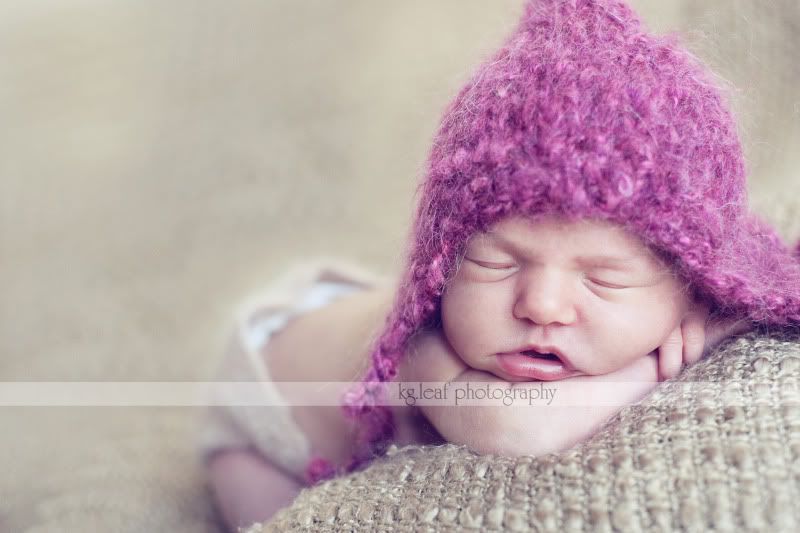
{"points": [[716, 448]]}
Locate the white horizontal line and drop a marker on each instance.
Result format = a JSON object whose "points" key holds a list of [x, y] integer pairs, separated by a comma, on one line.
{"points": [[243, 393]]}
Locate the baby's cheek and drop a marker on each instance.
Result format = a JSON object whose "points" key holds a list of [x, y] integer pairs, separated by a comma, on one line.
{"points": [[469, 321], [671, 303], [621, 357], [655, 318], [618, 344], [466, 302], [456, 316]]}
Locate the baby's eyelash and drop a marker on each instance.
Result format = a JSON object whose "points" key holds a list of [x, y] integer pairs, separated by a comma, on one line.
{"points": [[606, 284], [492, 266]]}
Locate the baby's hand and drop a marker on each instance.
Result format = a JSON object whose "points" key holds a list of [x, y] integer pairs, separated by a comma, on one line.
{"points": [[695, 336], [430, 357]]}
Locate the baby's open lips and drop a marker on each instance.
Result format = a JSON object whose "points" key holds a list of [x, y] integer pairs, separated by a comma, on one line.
{"points": [[548, 355], [540, 363], [543, 352]]}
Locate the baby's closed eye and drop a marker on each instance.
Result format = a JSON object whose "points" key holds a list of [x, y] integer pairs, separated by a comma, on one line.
{"points": [[492, 265], [623, 279], [604, 280], [608, 284], [485, 270]]}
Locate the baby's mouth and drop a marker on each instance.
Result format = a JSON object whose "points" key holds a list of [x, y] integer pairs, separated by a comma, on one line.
{"points": [[541, 366], [550, 356]]}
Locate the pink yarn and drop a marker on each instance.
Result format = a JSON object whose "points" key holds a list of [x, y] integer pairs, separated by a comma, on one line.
{"points": [[584, 114], [319, 469]]}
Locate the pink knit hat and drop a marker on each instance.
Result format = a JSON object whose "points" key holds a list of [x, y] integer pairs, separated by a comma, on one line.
{"points": [[583, 114]]}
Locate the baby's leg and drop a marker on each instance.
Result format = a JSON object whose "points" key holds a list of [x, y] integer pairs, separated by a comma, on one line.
{"points": [[248, 488]]}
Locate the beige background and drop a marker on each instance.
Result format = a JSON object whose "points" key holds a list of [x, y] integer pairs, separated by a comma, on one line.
{"points": [[161, 160]]}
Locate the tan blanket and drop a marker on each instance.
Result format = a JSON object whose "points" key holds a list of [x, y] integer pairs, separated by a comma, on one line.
{"points": [[719, 447]]}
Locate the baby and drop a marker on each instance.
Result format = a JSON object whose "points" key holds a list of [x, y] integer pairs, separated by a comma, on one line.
{"points": [[583, 219]]}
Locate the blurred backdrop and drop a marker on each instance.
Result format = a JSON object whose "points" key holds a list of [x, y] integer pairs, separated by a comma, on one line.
{"points": [[161, 160]]}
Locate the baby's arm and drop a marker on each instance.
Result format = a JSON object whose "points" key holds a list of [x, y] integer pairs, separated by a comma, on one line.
{"points": [[521, 430], [537, 430], [572, 417]]}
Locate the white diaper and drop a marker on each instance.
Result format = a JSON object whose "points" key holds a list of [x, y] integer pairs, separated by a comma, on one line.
{"points": [[272, 430]]}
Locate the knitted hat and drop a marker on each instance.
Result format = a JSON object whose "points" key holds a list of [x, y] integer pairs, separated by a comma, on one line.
{"points": [[583, 114]]}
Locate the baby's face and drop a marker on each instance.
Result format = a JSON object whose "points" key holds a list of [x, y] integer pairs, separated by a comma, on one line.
{"points": [[586, 291]]}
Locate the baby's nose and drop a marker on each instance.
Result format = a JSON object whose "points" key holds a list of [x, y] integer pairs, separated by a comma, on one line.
{"points": [[545, 298]]}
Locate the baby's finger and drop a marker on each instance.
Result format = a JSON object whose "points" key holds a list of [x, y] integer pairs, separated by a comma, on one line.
{"points": [[694, 338], [670, 355]]}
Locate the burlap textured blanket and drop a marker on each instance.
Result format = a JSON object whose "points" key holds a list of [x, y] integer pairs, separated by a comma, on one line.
{"points": [[718, 448]]}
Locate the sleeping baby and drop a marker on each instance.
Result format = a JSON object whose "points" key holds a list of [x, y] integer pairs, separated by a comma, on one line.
{"points": [[583, 219]]}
